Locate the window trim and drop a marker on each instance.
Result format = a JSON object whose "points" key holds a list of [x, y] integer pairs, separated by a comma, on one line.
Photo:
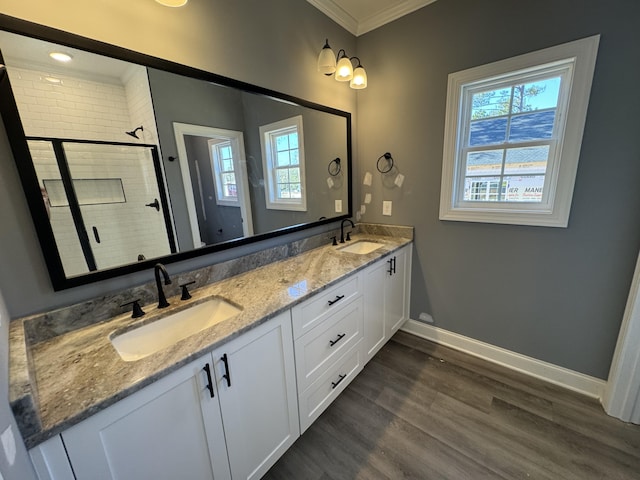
{"points": [[554, 212], [266, 132]]}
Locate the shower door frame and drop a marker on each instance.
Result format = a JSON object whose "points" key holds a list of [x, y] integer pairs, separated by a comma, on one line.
{"points": [[74, 204]]}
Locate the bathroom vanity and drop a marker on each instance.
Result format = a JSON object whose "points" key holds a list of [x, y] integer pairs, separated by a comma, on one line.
{"points": [[228, 401]]}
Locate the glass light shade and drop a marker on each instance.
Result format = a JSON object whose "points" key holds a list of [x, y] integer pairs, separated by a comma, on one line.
{"points": [[344, 70], [61, 57], [359, 79], [326, 60], [172, 3]]}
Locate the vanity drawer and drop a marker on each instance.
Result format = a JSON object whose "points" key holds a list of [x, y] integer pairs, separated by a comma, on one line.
{"points": [[319, 348], [310, 313], [314, 400]]}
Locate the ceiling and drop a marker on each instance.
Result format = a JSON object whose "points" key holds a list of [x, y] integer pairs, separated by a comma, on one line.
{"points": [[362, 16]]}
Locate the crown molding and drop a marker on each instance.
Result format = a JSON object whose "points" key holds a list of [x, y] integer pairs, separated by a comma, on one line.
{"points": [[357, 27], [336, 13], [389, 15]]}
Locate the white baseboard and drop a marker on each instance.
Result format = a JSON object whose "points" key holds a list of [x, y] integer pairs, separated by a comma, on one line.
{"points": [[578, 382]]}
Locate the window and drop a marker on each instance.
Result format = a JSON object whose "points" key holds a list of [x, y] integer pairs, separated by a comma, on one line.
{"points": [[512, 137], [224, 173], [283, 163]]}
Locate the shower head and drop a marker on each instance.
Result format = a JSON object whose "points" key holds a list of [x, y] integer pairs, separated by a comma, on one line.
{"points": [[133, 132]]}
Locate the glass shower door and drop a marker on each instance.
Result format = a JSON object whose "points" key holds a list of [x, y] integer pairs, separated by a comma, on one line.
{"points": [[123, 209]]}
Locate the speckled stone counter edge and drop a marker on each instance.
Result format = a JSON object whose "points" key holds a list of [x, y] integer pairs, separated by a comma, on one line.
{"points": [[40, 328]]}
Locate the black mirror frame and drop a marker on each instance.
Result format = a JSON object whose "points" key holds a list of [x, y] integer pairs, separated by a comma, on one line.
{"points": [[26, 170]]}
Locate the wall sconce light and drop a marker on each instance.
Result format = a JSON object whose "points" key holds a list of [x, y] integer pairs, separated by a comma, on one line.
{"points": [[342, 66], [172, 3]]}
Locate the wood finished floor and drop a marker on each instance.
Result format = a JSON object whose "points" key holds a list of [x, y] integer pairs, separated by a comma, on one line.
{"points": [[420, 410]]}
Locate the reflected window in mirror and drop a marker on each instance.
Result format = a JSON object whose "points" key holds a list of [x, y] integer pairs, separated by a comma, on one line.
{"points": [[283, 163], [223, 161]]}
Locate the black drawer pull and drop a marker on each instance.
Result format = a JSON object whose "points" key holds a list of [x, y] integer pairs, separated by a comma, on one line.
{"points": [[338, 298], [335, 384], [340, 337], [96, 235], [207, 369], [226, 375]]}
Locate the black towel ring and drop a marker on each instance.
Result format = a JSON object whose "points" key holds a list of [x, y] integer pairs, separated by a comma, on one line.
{"points": [[387, 156], [334, 167]]}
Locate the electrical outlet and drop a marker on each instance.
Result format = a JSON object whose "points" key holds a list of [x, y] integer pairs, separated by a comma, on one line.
{"points": [[386, 207], [338, 206], [425, 317]]}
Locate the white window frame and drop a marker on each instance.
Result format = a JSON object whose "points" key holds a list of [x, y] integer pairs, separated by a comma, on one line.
{"points": [[216, 165], [267, 135], [577, 62]]}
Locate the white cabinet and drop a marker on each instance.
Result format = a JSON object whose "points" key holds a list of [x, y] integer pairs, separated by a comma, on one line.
{"points": [[386, 286], [328, 335], [232, 413], [170, 429], [258, 398], [178, 427]]}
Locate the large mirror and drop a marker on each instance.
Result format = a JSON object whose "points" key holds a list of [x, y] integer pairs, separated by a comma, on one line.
{"points": [[127, 160]]}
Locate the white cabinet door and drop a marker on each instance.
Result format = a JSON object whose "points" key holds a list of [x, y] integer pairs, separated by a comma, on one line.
{"points": [[374, 281], [170, 429], [255, 376], [396, 304], [386, 299]]}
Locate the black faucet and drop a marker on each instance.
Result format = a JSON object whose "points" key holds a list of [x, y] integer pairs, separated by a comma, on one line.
{"points": [[342, 229], [162, 300]]}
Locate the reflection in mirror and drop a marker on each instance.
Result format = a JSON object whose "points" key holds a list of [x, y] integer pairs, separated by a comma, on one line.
{"points": [[214, 178], [206, 110], [102, 200], [135, 164]]}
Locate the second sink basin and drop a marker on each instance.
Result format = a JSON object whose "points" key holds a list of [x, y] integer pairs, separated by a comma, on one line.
{"points": [[153, 337], [361, 247]]}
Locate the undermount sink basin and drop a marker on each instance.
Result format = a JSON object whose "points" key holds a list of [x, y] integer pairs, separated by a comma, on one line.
{"points": [[153, 337], [361, 247]]}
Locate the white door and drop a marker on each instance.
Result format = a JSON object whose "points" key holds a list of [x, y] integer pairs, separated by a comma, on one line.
{"points": [[622, 394], [170, 429], [256, 382]]}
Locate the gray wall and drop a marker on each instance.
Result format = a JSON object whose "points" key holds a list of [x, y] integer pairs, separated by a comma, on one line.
{"points": [[554, 294], [229, 38]]}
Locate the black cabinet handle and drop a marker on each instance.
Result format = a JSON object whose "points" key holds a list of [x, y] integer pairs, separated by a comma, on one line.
{"points": [[335, 384], [392, 266], [96, 235], [340, 337], [338, 298], [226, 375], [207, 369]]}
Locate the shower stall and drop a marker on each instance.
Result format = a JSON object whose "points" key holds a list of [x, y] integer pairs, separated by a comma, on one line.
{"points": [[106, 201]]}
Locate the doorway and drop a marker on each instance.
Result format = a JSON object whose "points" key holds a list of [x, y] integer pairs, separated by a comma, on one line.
{"points": [[215, 184]]}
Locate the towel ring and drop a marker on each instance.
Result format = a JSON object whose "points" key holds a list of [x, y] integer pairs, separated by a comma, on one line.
{"points": [[387, 156], [334, 167]]}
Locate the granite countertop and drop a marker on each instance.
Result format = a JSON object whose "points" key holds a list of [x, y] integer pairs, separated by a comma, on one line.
{"points": [[60, 381]]}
